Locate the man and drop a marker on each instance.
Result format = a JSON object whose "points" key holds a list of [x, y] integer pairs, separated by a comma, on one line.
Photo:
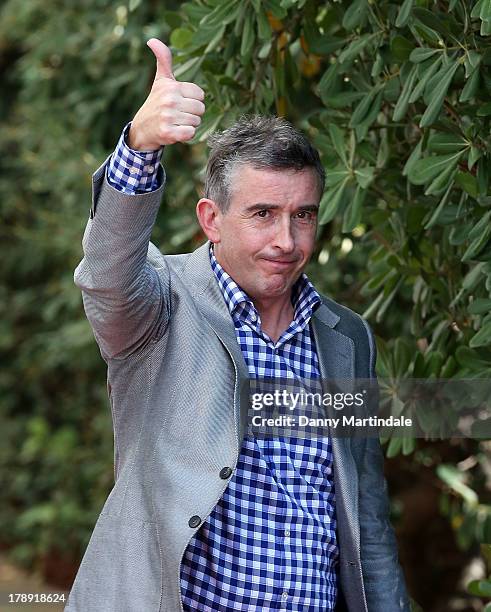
{"points": [[203, 516]]}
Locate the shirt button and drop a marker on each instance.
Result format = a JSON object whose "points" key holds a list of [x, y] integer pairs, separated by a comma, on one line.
{"points": [[194, 521], [150, 169], [287, 532], [225, 473], [284, 595], [133, 170]]}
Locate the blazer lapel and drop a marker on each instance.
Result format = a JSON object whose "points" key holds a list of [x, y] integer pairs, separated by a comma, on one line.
{"points": [[336, 360], [203, 285]]}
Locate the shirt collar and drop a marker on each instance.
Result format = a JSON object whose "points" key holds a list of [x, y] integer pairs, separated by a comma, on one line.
{"points": [[305, 298]]}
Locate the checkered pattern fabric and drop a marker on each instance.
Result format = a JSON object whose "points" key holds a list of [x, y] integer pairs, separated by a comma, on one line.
{"points": [[270, 542], [133, 171]]}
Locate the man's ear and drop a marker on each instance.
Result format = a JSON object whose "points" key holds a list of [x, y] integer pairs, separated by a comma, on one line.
{"points": [[209, 217]]}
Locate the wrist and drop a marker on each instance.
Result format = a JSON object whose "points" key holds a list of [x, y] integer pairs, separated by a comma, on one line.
{"points": [[136, 143]]}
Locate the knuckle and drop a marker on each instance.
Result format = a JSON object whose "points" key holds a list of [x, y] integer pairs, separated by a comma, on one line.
{"points": [[170, 100], [164, 132]]}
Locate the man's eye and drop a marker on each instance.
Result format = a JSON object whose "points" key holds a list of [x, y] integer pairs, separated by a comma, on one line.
{"points": [[262, 213], [305, 215]]}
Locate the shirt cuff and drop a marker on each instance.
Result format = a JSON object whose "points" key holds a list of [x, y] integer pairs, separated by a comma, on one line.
{"points": [[134, 172]]}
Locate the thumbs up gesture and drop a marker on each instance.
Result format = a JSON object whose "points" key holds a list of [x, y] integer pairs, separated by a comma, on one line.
{"points": [[172, 111]]}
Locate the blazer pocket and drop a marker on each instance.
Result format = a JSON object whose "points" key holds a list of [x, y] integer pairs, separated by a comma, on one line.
{"points": [[120, 570]]}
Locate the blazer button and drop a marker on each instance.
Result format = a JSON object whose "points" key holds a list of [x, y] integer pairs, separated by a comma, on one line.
{"points": [[225, 473], [194, 521]]}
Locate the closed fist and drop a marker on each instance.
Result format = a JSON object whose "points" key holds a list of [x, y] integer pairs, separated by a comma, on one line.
{"points": [[172, 111]]}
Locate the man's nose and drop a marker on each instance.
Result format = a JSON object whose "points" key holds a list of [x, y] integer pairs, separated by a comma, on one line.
{"points": [[284, 236]]}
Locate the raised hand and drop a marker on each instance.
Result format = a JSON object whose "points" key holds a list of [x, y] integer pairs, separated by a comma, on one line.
{"points": [[172, 111]]}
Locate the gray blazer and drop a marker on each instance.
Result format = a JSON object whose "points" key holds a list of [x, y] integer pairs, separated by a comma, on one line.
{"points": [[174, 379]]}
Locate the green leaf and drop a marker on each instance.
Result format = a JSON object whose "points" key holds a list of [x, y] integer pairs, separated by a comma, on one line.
{"points": [[337, 136], [480, 306], [210, 122], [394, 447], [431, 113], [472, 60], [435, 217], [402, 356], [481, 588], [470, 88], [331, 202], [239, 21], [352, 215], [432, 20], [483, 336], [189, 68], [364, 176], [180, 38], [401, 48], [479, 236], [216, 40], [480, 226], [343, 99], [224, 13], [403, 101], [408, 445], [413, 158], [484, 110], [364, 106], [263, 28], [451, 475], [404, 13], [355, 48], [336, 176], [442, 182], [470, 359], [474, 155], [421, 54], [428, 168], [355, 14], [426, 33], [275, 7], [247, 36], [485, 12], [468, 183], [485, 28], [327, 82], [476, 9], [483, 175], [443, 142], [388, 300], [427, 75], [362, 128]]}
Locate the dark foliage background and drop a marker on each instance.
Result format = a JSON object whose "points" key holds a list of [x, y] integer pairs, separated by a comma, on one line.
{"points": [[396, 96]]}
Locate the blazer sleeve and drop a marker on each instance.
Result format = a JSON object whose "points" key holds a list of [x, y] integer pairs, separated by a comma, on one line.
{"points": [[383, 578], [126, 299]]}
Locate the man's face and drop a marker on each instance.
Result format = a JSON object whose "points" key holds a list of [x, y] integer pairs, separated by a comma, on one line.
{"points": [[267, 234]]}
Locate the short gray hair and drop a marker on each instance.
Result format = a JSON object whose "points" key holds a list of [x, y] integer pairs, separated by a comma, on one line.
{"points": [[263, 142]]}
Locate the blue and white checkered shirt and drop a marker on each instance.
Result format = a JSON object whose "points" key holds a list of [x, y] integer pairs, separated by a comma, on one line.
{"points": [[270, 542]]}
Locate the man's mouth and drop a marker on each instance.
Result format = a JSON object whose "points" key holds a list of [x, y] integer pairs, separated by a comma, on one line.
{"points": [[280, 263]]}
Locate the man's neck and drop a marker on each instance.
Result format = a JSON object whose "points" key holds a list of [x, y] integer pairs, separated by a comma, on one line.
{"points": [[276, 315]]}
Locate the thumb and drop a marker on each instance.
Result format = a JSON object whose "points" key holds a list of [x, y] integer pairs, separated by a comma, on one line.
{"points": [[163, 56]]}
